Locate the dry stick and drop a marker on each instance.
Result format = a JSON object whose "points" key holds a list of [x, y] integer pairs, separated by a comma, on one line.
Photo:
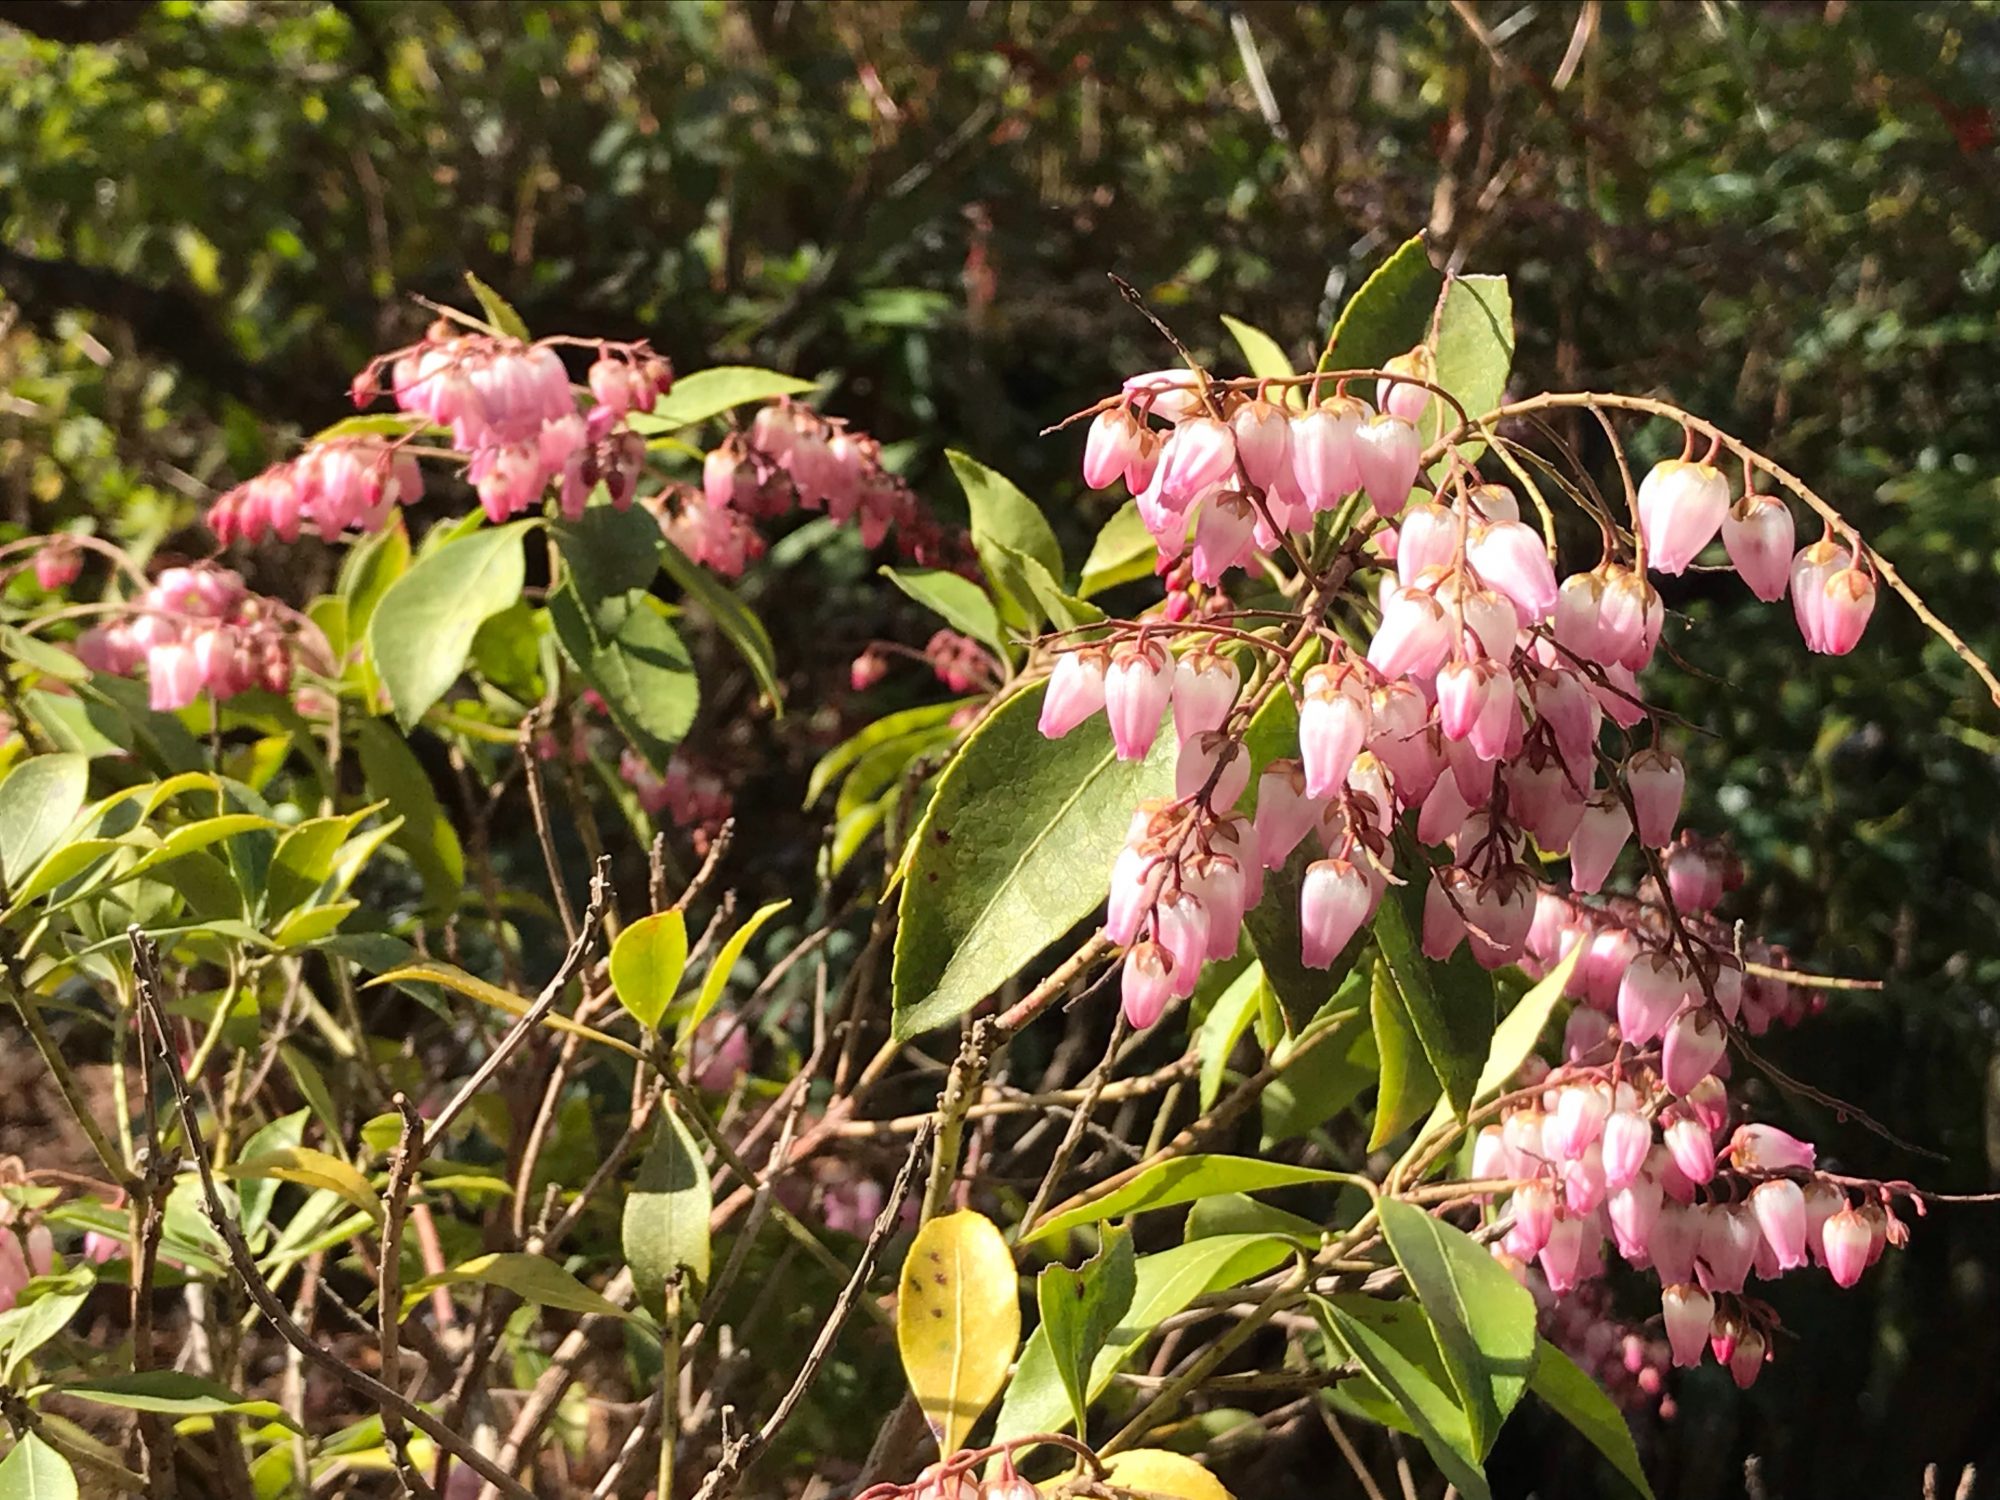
{"points": [[148, 1225], [1348, 1451], [1092, 1092], [740, 1452], [389, 1288], [374, 1391], [1011, 1103]]}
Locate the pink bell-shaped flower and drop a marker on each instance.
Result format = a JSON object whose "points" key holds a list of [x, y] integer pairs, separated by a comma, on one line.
{"points": [[1146, 984], [1135, 881], [1413, 638], [1333, 724], [1447, 898], [1657, 780], [1325, 463], [1844, 612], [1511, 558], [1387, 454], [1335, 899], [1427, 537], [1217, 881], [1137, 685], [1681, 507], [1534, 1209], [1401, 398], [1692, 1149], [1285, 814], [1225, 529], [1759, 536], [1584, 1036], [1675, 1239], [1579, 610], [1502, 909], [1580, 1115], [1180, 925], [1462, 690], [1629, 618], [1213, 761], [1204, 691], [173, 676], [1628, 1139], [1695, 1043], [1846, 1245], [1688, 1311], [1729, 1240], [1780, 1208], [1654, 987], [1812, 569], [1766, 1148], [1111, 445], [1634, 1214], [1600, 836], [1746, 1362], [1200, 452], [1075, 691], [1562, 1258], [1263, 443]]}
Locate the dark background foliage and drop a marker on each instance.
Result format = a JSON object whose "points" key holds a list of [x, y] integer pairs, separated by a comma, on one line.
{"points": [[1783, 216]]}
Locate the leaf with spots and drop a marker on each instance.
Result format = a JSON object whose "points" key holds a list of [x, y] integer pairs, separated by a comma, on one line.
{"points": [[958, 1322]]}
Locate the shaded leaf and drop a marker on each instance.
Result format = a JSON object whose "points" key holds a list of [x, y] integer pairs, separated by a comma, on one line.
{"points": [[738, 624], [1321, 1073], [1407, 1085], [170, 1392], [666, 1213], [960, 602], [1080, 1308], [1409, 1382], [39, 798], [958, 1321], [1579, 1401], [625, 648], [1223, 1027], [1450, 1005], [425, 834], [32, 1470], [722, 966]]}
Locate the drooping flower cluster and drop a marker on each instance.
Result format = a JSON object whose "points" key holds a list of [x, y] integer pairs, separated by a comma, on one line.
{"points": [[692, 796], [510, 412], [194, 630], [792, 456]]}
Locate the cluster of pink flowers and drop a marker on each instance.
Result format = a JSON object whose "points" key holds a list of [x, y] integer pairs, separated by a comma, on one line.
{"points": [[790, 455], [690, 795], [511, 413], [1627, 1361], [196, 629]]}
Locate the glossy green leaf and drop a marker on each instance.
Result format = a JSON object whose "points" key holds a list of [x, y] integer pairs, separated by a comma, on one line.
{"points": [[1080, 1308], [1475, 349], [1014, 850], [370, 567], [1390, 1342], [1408, 1086], [422, 630], [733, 618], [190, 838], [1163, 1284], [41, 656], [716, 980], [497, 310], [171, 1393], [1483, 1319], [532, 1278], [609, 552], [1389, 313], [1238, 1213], [1006, 527], [666, 1213], [958, 1321], [710, 393], [256, 1196], [1032, 584], [624, 648], [1262, 353], [1522, 1027], [39, 799], [425, 834], [1123, 552], [959, 602], [1450, 1005], [647, 960], [303, 859], [1581, 1402], [32, 1470], [1179, 1179]]}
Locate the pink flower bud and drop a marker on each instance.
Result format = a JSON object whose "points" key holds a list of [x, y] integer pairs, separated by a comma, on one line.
{"points": [[1511, 558], [57, 562], [1747, 1361], [1284, 812], [1694, 1044], [1215, 761], [1204, 691], [1823, 1201], [1657, 780], [1563, 1257], [173, 677], [1688, 1311], [1601, 833], [1413, 638], [1325, 452], [1629, 619], [1759, 537], [1675, 1239], [1427, 538], [1372, 792], [1812, 569], [1583, 1181], [1655, 986], [1224, 536], [1634, 1211], [1217, 881], [1387, 452], [1263, 443], [1075, 692], [1584, 1036], [1766, 1148], [1169, 394], [1498, 916], [1135, 881], [1729, 1240], [1109, 449], [1847, 1246], [1692, 1149], [1137, 685], [100, 1248], [1448, 895], [1578, 618], [1199, 452], [1849, 601], [1180, 925], [1399, 398], [1694, 878], [1335, 899], [1580, 1113], [1534, 1212], [1628, 1138], [1780, 1207], [1333, 722], [1462, 690], [1681, 507], [1146, 984]]}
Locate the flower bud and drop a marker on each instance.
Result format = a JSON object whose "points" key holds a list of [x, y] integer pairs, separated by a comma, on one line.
{"points": [[1634, 1211], [1681, 507], [1225, 528], [1215, 761], [1325, 458], [1584, 1036], [1285, 814], [1387, 453], [1413, 638], [1812, 569], [1747, 1362], [1075, 691], [1759, 537], [1657, 780], [1675, 1238], [1400, 398], [1204, 692], [1628, 1138], [1217, 881], [1534, 1212], [1729, 1240], [1766, 1148], [1694, 1044], [1335, 899], [1688, 1311], [1263, 443], [1780, 1208], [1850, 600], [1563, 1257], [1601, 833], [1847, 1246], [1333, 722], [1200, 452], [1111, 446], [1426, 538], [1653, 989], [1447, 897], [1180, 926], [1509, 557], [1692, 1149], [1137, 685]]}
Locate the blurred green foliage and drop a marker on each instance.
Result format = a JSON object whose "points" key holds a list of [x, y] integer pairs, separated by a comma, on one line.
{"points": [[1784, 216]]}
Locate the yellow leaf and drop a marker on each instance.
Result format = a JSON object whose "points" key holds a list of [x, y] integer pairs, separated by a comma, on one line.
{"points": [[313, 1169], [478, 989], [958, 1322], [1155, 1471]]}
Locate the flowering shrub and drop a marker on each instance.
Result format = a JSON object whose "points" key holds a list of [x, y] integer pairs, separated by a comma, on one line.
{"points": [[1361, 808]]}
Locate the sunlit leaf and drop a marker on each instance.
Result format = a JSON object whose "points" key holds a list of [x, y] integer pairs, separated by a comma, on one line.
{"points": [[958, 1321]]}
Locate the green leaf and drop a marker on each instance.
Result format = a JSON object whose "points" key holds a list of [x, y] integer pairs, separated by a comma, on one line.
{"points": [[1579, 1401], [1475, 348], [625, 648], [733, 618], [958, 1321], [1262, 353], [25, 1328], [710, 393], [1030, 582], [39, 798], [1223, 1027], [646, 964], [666, 1213], [32, 1470], [608, 551], [532, 1278], [1393, 1350], [908, 722], [422, 630], [1123, 551], [1389, 313], [1408, 1087], [425, 834], [962, 604], [1013, 851], [1237, 1213], [171, 1393], [49, 660], [310, 1168], [497, 309], [1006, 521], [1483, 1319], [1321, 1073], [1450, 1005], [724, 964], [191, 837], [1163, 1284], [371, 566], [281, 1134], [1080, 1308], [1515, 1037], [1180, 1179], [304, 858]]}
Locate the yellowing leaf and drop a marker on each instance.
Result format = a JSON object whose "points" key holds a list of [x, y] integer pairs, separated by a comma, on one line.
{"points": [[958, 1322], [646, 964], [313, 1169], [1155, 1471], [717, 978], [491, 994]]}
